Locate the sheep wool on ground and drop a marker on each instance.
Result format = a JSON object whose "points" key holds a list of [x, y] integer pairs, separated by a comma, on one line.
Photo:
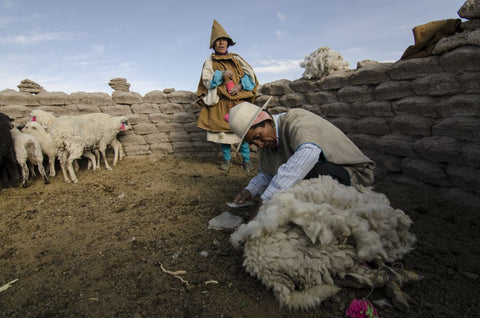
{"points": [[306, 240]]}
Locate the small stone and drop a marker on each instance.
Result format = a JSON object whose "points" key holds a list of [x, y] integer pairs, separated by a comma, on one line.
{"points": [[225, 222]]}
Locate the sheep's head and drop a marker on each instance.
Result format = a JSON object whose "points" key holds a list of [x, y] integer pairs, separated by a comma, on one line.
{"points": [[42, 117], [32, 126], [124, 124], [5, 119]]}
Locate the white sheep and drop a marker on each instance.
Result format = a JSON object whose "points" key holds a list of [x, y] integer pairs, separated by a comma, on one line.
{"points": [[46, 142], [39, 128], [99, 119], [73, 134], [46, 119], [27, 147], [306, 239]]}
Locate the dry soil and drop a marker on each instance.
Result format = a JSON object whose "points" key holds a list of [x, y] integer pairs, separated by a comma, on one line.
{"points": [[110, 245]]}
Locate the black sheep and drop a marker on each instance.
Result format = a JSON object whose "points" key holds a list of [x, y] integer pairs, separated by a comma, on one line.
{"points": [[9, 169]]}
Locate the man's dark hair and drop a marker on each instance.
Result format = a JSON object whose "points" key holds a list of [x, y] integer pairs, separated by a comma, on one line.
{"points": [[260, 124]]}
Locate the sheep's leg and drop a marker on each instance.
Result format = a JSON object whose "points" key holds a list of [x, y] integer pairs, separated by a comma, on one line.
{"points": [[3, 173], [36, 159], [121, 152], [71, 171], [97, 156], [51, 162], [91, 160], [102, 151], [62, 158], [76, 166], [118, 151], [115, 145], [41, 169], [13, 173], [24, 174], [75, 153], [32, 170], [399, 298]]}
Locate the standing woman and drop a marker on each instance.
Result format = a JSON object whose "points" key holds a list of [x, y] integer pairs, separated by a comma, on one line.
{"points": [[226, 80]]}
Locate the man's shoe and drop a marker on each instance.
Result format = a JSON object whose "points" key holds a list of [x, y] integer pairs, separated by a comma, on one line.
{"points": [[225, 166], [248, 166]]}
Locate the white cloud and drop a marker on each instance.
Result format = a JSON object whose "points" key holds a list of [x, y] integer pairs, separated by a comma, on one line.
{"points": [[35, 38], [281, 16], [276, 66]]}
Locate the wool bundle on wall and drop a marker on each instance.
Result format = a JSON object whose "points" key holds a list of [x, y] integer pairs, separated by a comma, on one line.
{"points": [[322, 62], [307, 237]]}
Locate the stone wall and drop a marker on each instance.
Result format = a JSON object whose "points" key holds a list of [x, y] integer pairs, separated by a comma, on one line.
{"points": [[164, 122], [418, 119]]}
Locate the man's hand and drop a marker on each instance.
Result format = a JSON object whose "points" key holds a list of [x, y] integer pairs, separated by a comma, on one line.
{"points": [[243, 196]]}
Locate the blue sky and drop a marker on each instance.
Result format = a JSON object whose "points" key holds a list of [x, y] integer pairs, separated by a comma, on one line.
{"points": [[73, 46]]}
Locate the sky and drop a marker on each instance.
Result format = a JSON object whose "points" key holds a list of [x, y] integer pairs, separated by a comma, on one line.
{"points": [[79, 46]]}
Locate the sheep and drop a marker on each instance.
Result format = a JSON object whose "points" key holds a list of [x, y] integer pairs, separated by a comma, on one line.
{"points": [[99, 119], [46, 142], [309, 238], [46, 119], [9, 172], [27, 147], [72, 134]]}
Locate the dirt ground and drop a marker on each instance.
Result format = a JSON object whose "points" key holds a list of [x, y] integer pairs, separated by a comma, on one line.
{"points": [[100, 248]]}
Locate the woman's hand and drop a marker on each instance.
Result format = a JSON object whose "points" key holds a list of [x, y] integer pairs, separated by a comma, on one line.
{"points": [[243, 196], [235, 89], [227, 73]]}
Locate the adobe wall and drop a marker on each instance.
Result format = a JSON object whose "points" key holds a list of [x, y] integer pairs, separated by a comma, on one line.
{"points": [[418, 119]]}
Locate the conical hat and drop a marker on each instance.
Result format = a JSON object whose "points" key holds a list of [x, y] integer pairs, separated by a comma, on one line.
{"points": [[217, 33]]}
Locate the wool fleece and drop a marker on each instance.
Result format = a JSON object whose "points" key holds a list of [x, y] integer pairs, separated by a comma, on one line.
{"points": [[307, 239]]}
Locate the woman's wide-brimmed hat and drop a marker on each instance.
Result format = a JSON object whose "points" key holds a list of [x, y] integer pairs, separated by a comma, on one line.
{"points": [[245, 115], [217, 33]]}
